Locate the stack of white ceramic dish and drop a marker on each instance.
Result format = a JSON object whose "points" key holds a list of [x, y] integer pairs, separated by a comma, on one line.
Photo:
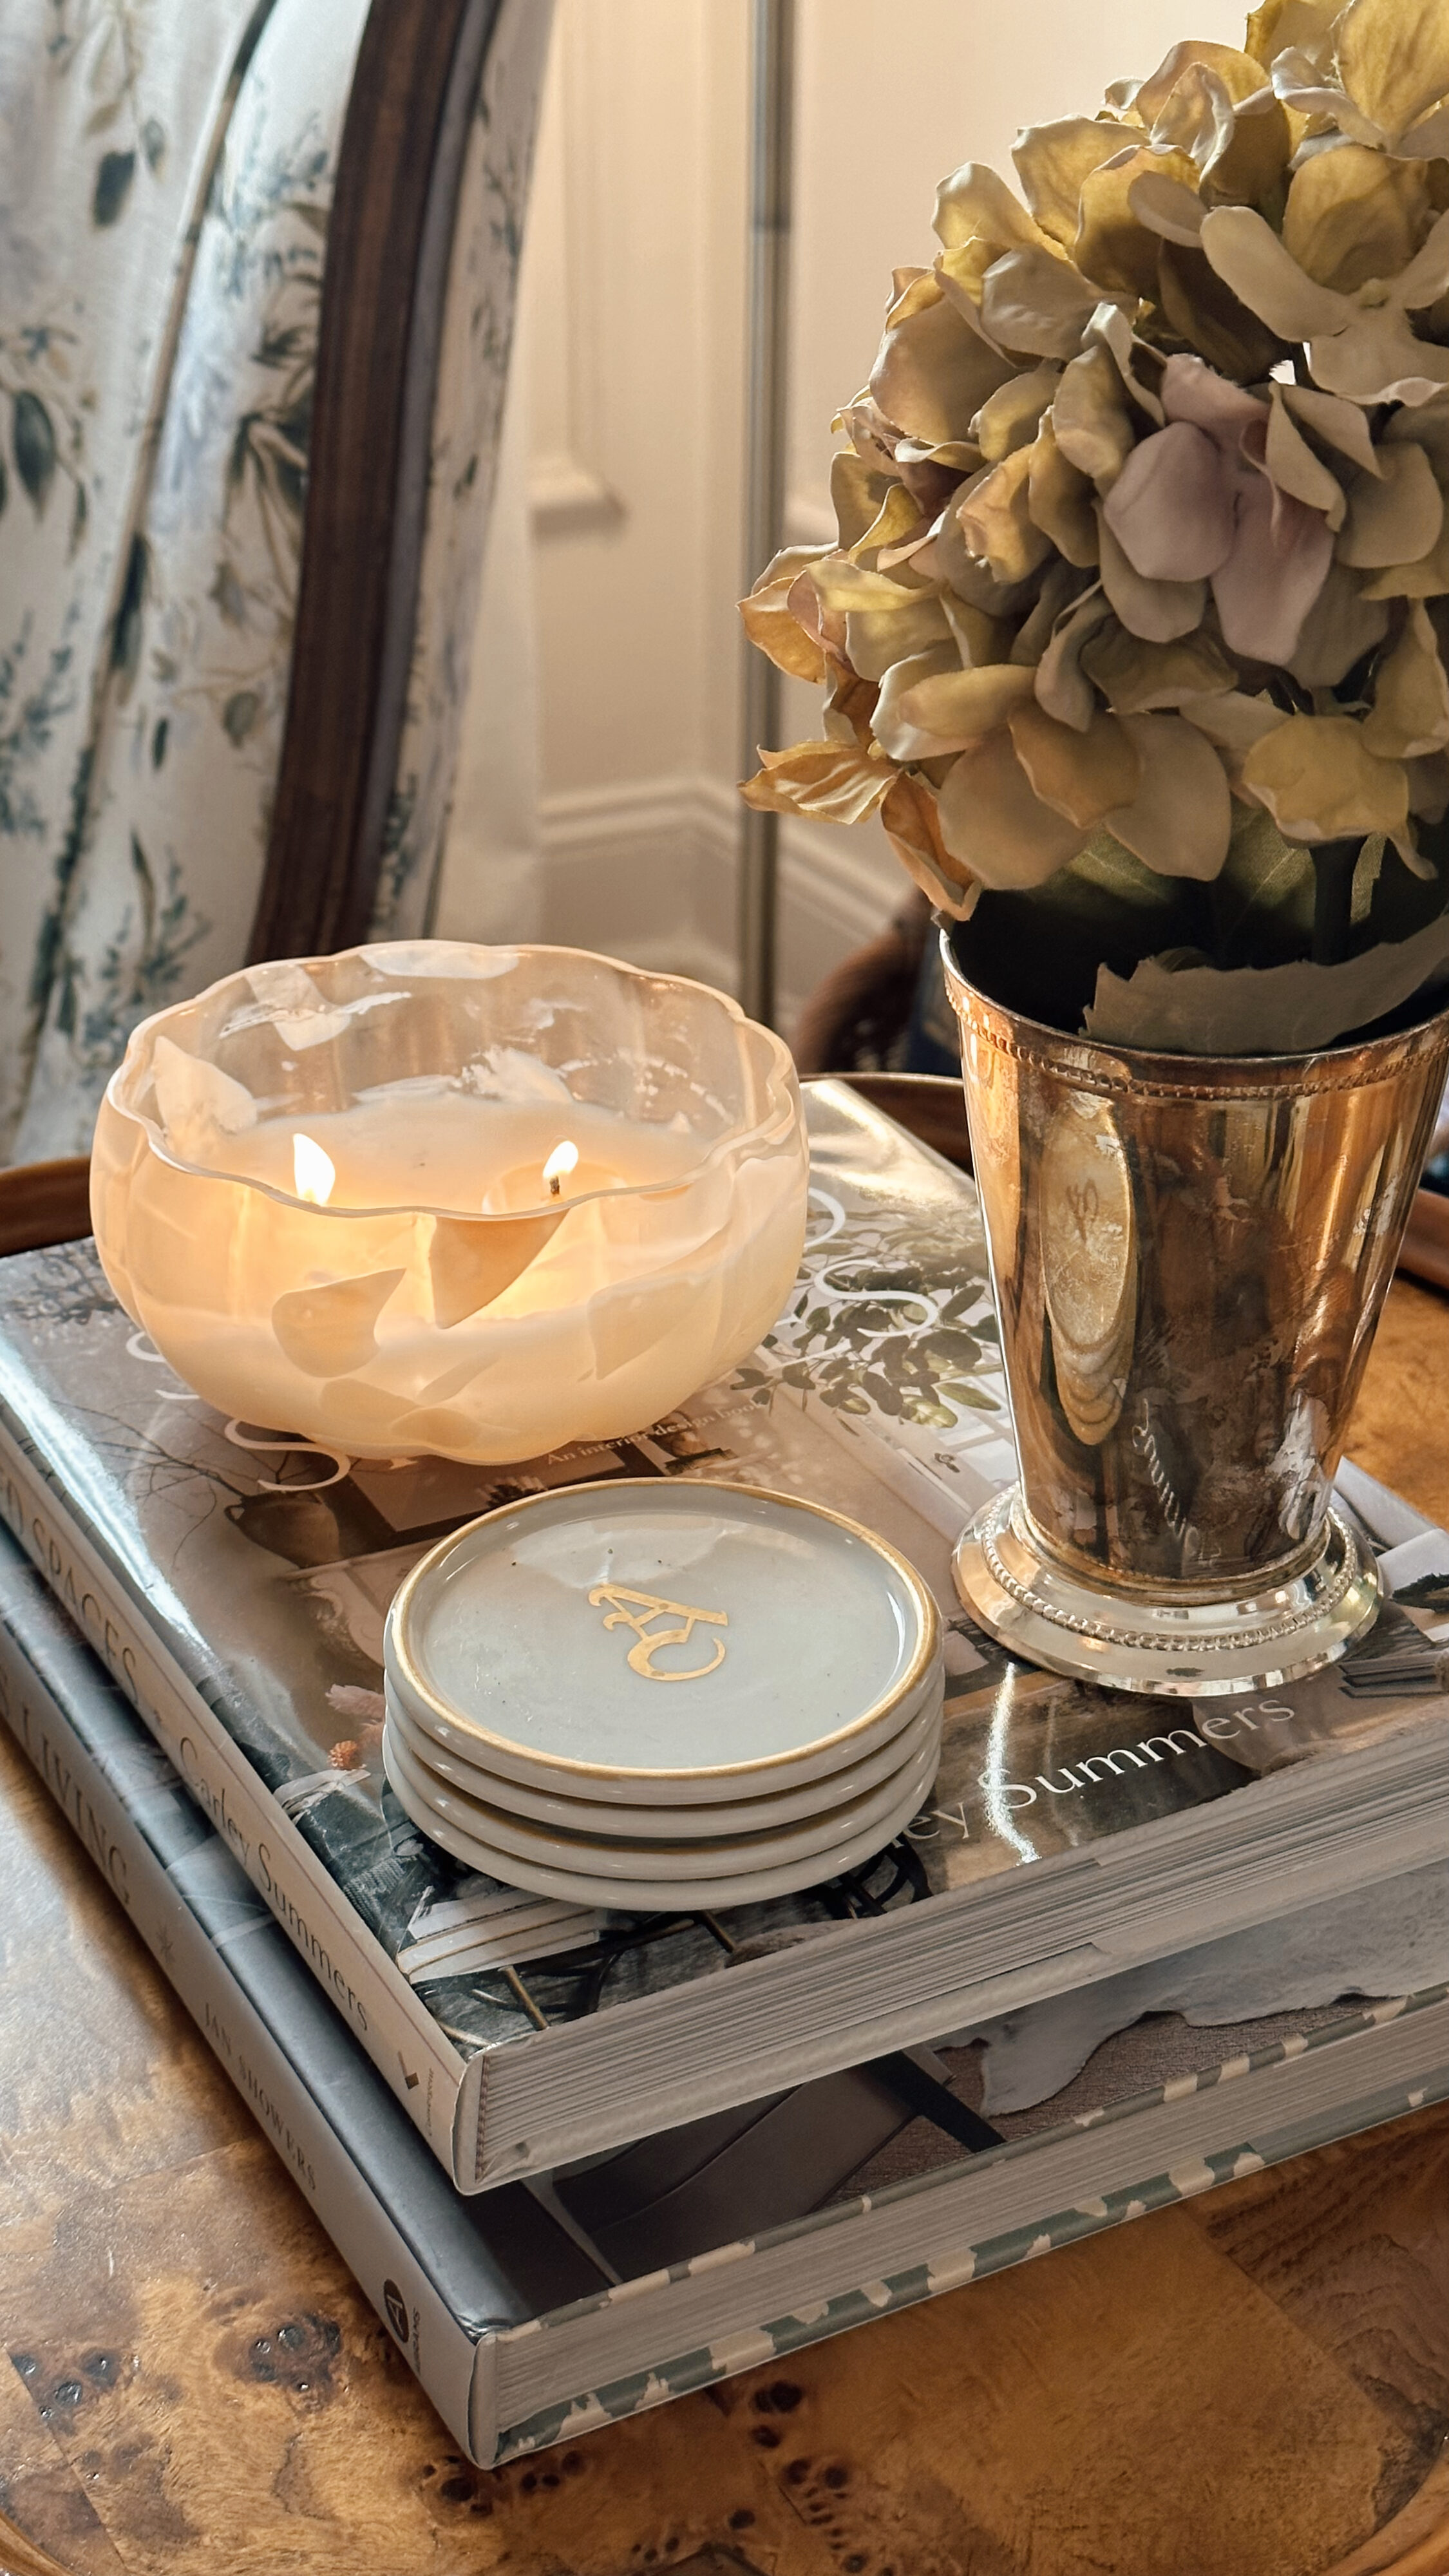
{"points": [[653, 1695]]}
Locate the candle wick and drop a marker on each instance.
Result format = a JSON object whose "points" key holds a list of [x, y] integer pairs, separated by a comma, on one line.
{"points": [[555, 1185]]}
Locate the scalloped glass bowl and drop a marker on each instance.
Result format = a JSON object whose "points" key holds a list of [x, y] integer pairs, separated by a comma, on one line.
{"points": [[443, 1300]]}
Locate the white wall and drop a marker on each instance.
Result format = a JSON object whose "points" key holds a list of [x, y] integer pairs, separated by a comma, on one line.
{"points": [[635, 346]]}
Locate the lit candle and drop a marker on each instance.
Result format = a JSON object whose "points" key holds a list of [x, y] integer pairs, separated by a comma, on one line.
{"points": [[359, 1208]]}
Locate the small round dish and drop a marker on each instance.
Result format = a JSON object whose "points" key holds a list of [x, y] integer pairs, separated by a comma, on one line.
{"points": [[648, 1896], [437, 1745], [721, 1856], [641, 1642]]}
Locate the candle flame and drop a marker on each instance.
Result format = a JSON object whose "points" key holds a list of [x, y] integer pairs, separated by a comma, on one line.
{"points": [[315, 1173], [561, 1162]]}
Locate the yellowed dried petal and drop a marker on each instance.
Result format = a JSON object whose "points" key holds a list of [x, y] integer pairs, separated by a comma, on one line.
{"points": [[1279, 23], [1137, 678], [1353, 214], [1062, 686], [996, 521], [1210, 318], [1052, 161], [1410, 713], [1240, 75], [1232, 719], [975, 199], [770, 623], [1248, 168], [1338, 423], [1181, 819], [1113, 247], [1394, 517], [914, 831], [993, 823], [1090, 418], [857, 490], [898, 518], [1008, 418], [840, 583], [951, 710], [1342, 625], [1249, 257], [1167, 207], [900, 738], [875, 638], [1082, 775], [835, 781], [1036, 303], [1156, 610], [1059, 497], [1319, 780], [1426, 579], [1393, 59], [1295, 469], [934, 372]]}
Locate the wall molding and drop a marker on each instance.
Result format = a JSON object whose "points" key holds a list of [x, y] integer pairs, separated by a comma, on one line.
{"points": [[649, 870]]}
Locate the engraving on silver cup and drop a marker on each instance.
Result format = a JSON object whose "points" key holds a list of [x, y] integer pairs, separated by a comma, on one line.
{"points": [[1188, 1256]]}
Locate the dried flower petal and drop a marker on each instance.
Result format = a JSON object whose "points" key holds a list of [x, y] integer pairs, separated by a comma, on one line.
{"points": [[993, 823], [974, 202], [1171, 507], [1240, 75], [1181, 820], [1141, 679], [934, 372], [1396, 516], [1352, 215], [1158, 610], [1343, 624], [833, 780], [1208, 316], [996, 521], [911, 823], [1052, 161], [1410, 713], [1034, 302], [857, 490], [1090, 419], [1061, 685], [1250, 258], [1112, 246], [770, 623], [1319, 780], [1009, 418], [1233, 720], [1274, 574], [934, 712], [1296, 470], [1167, 207], [1059, 497], [1338, 423], [1393, 59], [1082, 775]]}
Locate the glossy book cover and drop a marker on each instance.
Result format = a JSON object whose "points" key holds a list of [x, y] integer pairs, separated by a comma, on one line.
{"points": [[267, 1565]]}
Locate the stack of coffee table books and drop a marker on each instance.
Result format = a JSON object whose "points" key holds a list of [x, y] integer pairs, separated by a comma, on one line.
{"points": [[584, 2159]]}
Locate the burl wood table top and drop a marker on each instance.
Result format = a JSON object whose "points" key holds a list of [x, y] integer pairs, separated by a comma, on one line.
{"points": [[1255, 2384]]}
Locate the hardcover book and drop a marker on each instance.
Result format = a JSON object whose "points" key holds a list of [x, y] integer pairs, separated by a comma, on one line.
{"points": [[540, 2311], [235, 1581]]}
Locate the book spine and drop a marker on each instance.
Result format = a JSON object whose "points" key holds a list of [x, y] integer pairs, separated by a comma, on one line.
{"points": [[453, 2367], [399, 2034]]}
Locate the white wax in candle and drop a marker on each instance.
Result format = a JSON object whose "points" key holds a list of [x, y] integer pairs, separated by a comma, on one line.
{"points": [[441, 1147]]}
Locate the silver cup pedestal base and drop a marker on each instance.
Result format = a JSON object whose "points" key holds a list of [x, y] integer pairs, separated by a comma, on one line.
{"points": [[1173, 1650]]}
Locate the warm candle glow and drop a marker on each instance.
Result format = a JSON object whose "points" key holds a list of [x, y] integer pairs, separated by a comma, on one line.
{"points": [[315, 1173], [561, 1162]]}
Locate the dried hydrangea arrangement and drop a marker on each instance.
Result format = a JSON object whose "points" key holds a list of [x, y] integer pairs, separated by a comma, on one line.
{"points": [[1134, 634]]}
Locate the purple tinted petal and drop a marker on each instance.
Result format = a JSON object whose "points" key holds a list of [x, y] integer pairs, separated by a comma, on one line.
{"points": [[1171, 507], [1277, 568]]}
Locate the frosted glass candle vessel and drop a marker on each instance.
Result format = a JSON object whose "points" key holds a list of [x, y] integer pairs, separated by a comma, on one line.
{"points": [[429, 1197]]}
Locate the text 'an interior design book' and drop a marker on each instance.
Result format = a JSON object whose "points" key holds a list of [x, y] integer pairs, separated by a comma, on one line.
{"points": [[236, 1581]]}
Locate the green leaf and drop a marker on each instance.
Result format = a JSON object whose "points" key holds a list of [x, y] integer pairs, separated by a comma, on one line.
{"points": [[1263, 900], [33, 440], [114, 173]]}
